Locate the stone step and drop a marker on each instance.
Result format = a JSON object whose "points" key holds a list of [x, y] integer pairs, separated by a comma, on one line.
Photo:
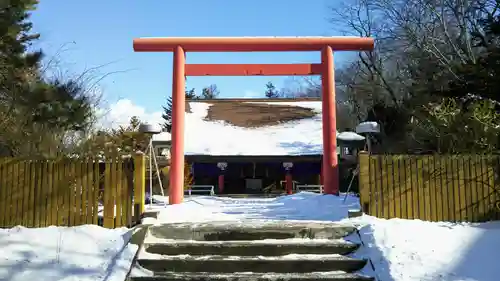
{"points": [[252, 248], [228, 264], [207, 276], [224, 231]]}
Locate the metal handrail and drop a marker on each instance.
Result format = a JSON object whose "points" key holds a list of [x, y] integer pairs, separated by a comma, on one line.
{"points": [[318, 187], [212, 189], [294, 184]]}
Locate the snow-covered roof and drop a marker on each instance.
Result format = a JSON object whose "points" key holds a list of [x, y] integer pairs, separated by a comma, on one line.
{"points": [[350, 136], [368, 127], [205, 136], [163, 136]]}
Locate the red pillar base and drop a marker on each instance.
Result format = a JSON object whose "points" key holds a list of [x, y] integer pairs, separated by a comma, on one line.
{"points": [[221, 184], [321, 174], [289, 183]]}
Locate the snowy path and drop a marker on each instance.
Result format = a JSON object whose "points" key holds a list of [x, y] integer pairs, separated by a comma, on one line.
{"points": [[305, 207], [401, 250]]}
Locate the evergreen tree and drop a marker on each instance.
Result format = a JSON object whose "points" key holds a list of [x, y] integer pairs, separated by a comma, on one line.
{"points": [[167, 110], [52, 102], [191, 94], [135, 122], [210, 92], [480, 78], [36, 113], [128, 139], [271, 91], [167, 115], [15, 38]]}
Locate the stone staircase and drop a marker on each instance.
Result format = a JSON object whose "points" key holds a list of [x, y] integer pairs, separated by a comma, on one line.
{"points": [[247, 252]]}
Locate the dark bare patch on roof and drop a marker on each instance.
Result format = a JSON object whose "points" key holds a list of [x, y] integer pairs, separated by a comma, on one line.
{"points": [[245, 113]]}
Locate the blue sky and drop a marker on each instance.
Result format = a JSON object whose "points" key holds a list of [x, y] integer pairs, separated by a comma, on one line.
{"points": [[87, 34]]}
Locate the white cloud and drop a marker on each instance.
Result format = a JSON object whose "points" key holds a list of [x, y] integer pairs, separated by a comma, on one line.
{"points": [[120, 113]]}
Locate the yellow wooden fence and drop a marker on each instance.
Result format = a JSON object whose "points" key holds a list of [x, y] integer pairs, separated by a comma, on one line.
{"points": [[69, 192], [431, 187]]}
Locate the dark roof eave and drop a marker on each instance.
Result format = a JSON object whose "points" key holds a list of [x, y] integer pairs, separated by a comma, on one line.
{"points": [[253, 158]]}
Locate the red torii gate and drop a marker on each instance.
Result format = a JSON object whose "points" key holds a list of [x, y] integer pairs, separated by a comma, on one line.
{"points": [[180, 45]]}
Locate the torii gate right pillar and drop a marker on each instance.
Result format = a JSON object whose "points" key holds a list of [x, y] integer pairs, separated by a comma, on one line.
{"points": [[330, 162]]}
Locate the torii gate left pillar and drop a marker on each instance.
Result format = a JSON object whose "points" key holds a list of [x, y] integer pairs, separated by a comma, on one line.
{"points": [[180, 45]]}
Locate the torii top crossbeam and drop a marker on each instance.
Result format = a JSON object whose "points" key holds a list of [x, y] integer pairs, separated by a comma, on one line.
{"points": [[252, 44]]}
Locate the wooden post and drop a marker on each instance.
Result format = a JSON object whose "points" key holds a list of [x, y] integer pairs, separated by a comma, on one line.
{"points": [[109, 202], [364, 181], [139, 185]]}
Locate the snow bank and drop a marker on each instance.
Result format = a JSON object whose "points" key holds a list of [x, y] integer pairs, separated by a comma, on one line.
{"points": [[65, 253], [415, 250]]}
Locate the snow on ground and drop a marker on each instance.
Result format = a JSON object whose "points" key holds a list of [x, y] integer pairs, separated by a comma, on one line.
{"points": [[302, 137], [82, 253], [302, 206], [400, 250], [411, 250]]}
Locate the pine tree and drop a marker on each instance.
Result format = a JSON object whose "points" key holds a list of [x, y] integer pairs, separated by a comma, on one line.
{"points": [[128, 139], [271, 91], [135, 122], [167, 110], [210, 92], [34, 108], [16, 36], [191, 94], [167, 115]]}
